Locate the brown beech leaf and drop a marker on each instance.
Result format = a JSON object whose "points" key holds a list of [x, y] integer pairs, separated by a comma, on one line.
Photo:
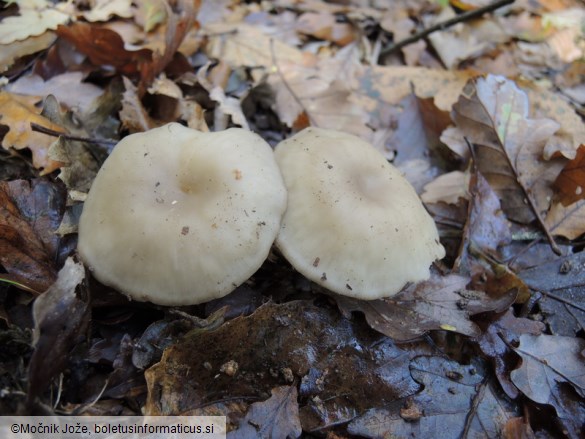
{"points": [[439, 303], [570, 184], [492, 113], [17, 113], [30, 212], [104, 47], [278, 416]]}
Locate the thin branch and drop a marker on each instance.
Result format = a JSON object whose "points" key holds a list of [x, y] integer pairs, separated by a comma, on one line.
{"points": [[469, 15], [54, 133]]}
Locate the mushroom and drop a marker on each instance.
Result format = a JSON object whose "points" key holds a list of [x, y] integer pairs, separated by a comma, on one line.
{"points": [[177, 216], [353, 224]]}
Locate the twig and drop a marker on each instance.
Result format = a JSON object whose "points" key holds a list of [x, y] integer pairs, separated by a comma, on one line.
{"points": [[54, 133], [469, 15]]}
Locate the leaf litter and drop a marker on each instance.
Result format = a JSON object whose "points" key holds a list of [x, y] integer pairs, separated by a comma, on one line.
{"points": [[493, 143]]}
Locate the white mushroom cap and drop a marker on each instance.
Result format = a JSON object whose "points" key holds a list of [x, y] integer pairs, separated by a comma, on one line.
{"points": [[353, 223], [177, 216]]}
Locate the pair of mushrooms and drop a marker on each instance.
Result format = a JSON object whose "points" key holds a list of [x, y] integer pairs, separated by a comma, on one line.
{"points": [[177, 216]]}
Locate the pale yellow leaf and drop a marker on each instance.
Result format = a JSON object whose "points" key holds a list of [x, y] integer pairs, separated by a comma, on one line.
{"points": [[30, 22]]}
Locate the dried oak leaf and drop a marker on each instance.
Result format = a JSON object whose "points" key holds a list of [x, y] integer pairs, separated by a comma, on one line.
{"points": [[562, 282], [278, 416], [34, 19], [492, 112], [550, 364], [442, 302], [18, 113], [457, 401], [495, 340], [30, 212], [570, 184]]}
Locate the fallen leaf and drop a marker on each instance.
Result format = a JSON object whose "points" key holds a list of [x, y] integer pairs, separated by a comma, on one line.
{"points": [[561, 281], [492, 113], [548, 363], [324, 26], [30, 212], [10, 53], [278, 416], [488, 228], [60, 86], [447, 188], [151, 13], [391, 84], [33, 20], [456, 401], [17, 113], [229, 106], [494, 343], [104, 47], [570, 184], [441, 303], [566, 221], [103, 10], [60, 318], [133, 115]]}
